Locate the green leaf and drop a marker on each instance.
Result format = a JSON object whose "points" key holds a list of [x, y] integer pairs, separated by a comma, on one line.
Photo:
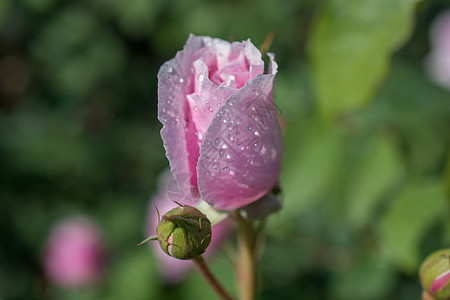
{"points": [[350, 48], [133, 276], [312, 160], [369, 278], [408, 218], [378, 168]]}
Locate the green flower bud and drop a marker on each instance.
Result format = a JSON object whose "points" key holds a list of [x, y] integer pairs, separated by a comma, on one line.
{"points": [[184, 232], [435, 274]]}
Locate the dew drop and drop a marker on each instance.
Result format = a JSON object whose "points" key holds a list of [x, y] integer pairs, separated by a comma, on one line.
{"points": [[250, 128], [255, 145], [169, 69], [210, 108], [256, 133], [225, 169], [181, 80], [222, 152], [201, 77], [217, 142]]}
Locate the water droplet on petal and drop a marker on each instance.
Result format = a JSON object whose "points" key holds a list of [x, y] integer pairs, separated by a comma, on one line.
{"points": [[217, 142], [201, 77], [169, 69], [210, 108], [181, 80], [221, 152], [225, 169]]}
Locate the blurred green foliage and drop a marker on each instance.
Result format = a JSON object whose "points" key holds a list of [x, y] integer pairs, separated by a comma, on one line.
{"points": [[366, 174]]}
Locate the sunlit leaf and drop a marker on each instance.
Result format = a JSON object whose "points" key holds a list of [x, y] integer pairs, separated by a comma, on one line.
{"points": [[311, 162], [408, 218], [352, 41], [378, 168]]}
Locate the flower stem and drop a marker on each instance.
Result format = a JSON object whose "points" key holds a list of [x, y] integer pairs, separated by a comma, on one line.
{"points": [[210, 279], [246, 261], [426, 296]]}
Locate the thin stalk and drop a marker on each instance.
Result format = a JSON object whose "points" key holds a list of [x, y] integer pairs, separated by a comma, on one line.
{"points": [[246, 260], [426, 296], [210, 279]]}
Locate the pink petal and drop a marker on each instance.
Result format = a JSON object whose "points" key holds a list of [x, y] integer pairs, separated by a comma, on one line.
{"points": [[439, 282], [178, 132], [74, 255], [240, 156]]}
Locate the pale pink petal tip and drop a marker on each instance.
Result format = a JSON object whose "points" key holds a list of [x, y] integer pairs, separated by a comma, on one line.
{"points": [[440, 282], [438, 60]]}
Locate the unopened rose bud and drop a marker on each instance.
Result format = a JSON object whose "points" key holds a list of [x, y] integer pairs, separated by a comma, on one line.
{"points": [[435, 274], [184, 232]]}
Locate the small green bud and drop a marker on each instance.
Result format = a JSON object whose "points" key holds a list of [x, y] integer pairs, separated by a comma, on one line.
{"points": [[435, 274], [184, 232]]}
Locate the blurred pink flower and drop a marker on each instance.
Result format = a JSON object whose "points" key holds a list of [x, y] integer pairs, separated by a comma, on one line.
{"points": [[220, 132], [74, 255], [171, 269], [438, 60]]}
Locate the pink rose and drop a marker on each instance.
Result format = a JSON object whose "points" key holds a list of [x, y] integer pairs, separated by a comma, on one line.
{"points": [[172, 269], [220, 132], [74, 255]]}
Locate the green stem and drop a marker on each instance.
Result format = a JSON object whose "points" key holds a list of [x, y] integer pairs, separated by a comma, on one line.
{"points": [[210, 279], [246, 260]]}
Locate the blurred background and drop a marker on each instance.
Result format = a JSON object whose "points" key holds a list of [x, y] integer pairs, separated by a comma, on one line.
{"points": [[366, 172]]}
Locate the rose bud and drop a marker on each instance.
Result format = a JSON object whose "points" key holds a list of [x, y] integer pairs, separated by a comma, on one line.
{"points": [[184, 232], [435, 274], [74, 255], [171, 269], [220, 130]]}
